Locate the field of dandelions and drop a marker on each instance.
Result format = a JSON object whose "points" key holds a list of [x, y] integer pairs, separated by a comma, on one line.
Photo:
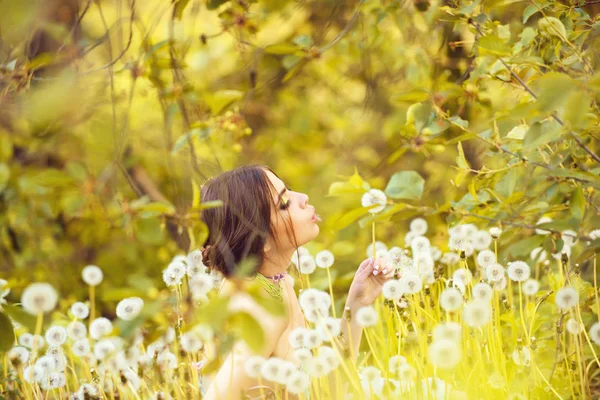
{"points": [[456, 323]]}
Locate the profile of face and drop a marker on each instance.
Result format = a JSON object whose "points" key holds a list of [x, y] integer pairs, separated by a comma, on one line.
{"points": [[292, 208], [260, 218]]}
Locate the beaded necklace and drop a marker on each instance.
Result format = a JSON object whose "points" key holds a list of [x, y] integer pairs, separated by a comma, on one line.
{"points": [[272, 284]]}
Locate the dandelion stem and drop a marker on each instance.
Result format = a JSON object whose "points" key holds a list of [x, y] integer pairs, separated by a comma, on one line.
{"points": [[331, 293], [92, 304]]}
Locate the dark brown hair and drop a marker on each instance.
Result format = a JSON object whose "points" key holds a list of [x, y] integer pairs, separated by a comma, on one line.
{"points": [[240, 227]]}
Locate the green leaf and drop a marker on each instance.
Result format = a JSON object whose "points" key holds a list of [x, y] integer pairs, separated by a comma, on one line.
{"points": [[221, 99], [179, 7], [21, 316], [350, 217], [518, 132], [553, 90], [506, 185], [248, 329], [461, 161], [493, 45], [540, 133], [523, 247], [411, 96], [281, 48], [303, 40], [214, 4], [52, 178], [577, 108], [459, 121], [405, 185], [155, 209], [200, 133], [420, 114], [577, 203], [148, 230], [529, 11], [7, 333]]}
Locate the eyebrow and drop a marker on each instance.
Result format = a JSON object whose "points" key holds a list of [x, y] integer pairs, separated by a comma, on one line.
{"points": [[280, 195]]}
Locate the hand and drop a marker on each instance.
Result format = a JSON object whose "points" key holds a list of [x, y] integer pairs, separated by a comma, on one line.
{"points": [[368, 282]]}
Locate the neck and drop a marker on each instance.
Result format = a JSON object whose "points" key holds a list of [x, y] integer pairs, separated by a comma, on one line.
{"points": [[275, 264]]}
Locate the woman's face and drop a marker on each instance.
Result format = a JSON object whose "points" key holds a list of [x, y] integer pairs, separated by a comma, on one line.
{"points": [[292, 207]]}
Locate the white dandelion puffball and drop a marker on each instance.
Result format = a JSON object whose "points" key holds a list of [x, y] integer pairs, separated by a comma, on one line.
{"points": [[566, 298], [543, 220], [46, 363], [518, 271], [200, 285], [477, 314], [81, 347], [450, 258], [483, 292], [569, 237], [395, 363], [313, 298], [418, 226], [177, 268], [457, 243], [194, 268], [485, 258], [408, 238], [324, 259], [595, 234], [80, 310], [495, 232], [129, 308], [328, 354], [521, 356], [366, 316], [170, 278], [303, 355], [481, 240], [271, 369], [26, 339], [195, 258], [444, 353], [538, 254], [436, 253], [392, 289], [298, 382], [312, 339], [39, 298], [574, 327], [374, 197], [18, 354], [296, 337], [595, 333], [167, 360], [299, 254], [494, 272], [419, 245], [462, 275], [370, 374], [531, 287], [397, 258], [329, 328], [500, 284], [92, 275], [100, 327], [56, 335], [410, 283], [190, 342], [451, 299], [380, 248], [103, 348], [76, 330], [447, 331], [307, 265], [318, 367]]}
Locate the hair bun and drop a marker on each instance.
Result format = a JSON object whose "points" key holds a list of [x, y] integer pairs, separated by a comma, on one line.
{"points": [[206, 255]]}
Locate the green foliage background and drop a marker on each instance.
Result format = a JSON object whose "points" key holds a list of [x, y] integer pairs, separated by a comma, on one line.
{"points": [[112, 111]]}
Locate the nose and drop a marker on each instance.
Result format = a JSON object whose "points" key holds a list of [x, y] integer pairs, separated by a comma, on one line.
{"points": [[305, 202]]}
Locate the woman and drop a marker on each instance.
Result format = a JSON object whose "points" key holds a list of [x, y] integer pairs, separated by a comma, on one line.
{"points": [[263, 220]]}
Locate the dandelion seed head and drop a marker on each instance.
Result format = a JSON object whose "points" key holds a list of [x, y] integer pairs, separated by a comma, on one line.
{"points": [[451, 299], [499, 285], [395, 362], [463, 276], [296, 337], [410, 283], [307, 265], [380, 248], [39, 298], [312, 339], [444, 353], [26, 339], [477, 314], [483, 292], [595, 234], [494, 272], [521, 356], [419, 245], [569, 237], [538, 254], [18, 354], [200, 285], [485, 258], [449, 330], [191, 342], [595, 333], [370, 374], [103, 348], [56, 335], [271, 368], [495, 232], [419, 226], [33, 374], [574, 327], [374, 197], [81, 347], [540, 221], [303, 355], [366, 316], [481, 240], [100, 327], [518, 271], [80, 310], [324, 259], [177, 268], [329, 328], [450, 258], [566, 298], [298, 382], [170, 279], [531, 287], [92, 275], [129, 308], [392, 289], [166, 360]]}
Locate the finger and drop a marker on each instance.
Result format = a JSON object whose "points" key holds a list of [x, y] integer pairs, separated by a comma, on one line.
{"points": [[363, 265], [367, 270]]}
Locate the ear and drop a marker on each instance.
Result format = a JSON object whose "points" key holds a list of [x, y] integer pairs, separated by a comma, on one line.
{"points": [[268, 246]]}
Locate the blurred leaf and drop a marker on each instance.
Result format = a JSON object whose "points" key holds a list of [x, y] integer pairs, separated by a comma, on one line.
{"points": [[52, 178], [412, 96], [554, 89], [350, 217], [7, 333], [523, 247], [540, 133], [576, 108], [461, 161], [179, 7], [221, 99], [20, 315], [214, 313], [200, 133], [248, 329], [506, 185], [118, 294], [195, 194], [405, 185], [577, 203], [4, 176], [303, 41], [493, 45], [518, 132], [155, 209], [530, 10], [148, 230], [214, 4], [281, 48]]}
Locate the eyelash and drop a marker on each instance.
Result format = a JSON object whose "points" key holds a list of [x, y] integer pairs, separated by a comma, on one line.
{"points": [[286, 205]]}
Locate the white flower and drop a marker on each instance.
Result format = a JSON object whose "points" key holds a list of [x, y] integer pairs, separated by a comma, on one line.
{"points": [[271, 369], [380, 248], [411, 283], [451, 299], [436, 253], [103, 348], [170, 278], [298, 382], [324, 259], [574, 327], [444, 353], [483, 292], [299, 254], [166, 360], [419, 226], [55, 380], [409, 237], [253, 365], [538, 252], [531, 287], [394, 364], [329, 328], [463, 276], [398, 259], [406, 373], [420, 244], [33, 374], [499, 285], [392, 289], [494, 272], [26, 339], [543, 220], [296, 337], [457, 243], [81, 347], [518, 271], [370, 374], [80, 310], [477, 314], [76, 330], [307, 265], [200, 285], [177, 268], [481, 240], [569, 237], [19, 353], [521, 356], [328, 354], [374, 197], [595, 234], [56, 335], [303, 355], [194, 261], [190, 342], [312, 339], [447, 331], [595, 333], [92, 275], [366, 316], [450, 258], [318, 367], [129, 308], [39, 298], [4, 290], [46, 363], [100, 327], [495, 232], [312, 298], [485, 258], [566, 298]]}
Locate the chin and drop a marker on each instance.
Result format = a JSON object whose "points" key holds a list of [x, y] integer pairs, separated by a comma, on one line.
{"points": [[314, 232]]}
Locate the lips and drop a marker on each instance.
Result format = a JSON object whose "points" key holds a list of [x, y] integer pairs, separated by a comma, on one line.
{"points": [[316, 217]]}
